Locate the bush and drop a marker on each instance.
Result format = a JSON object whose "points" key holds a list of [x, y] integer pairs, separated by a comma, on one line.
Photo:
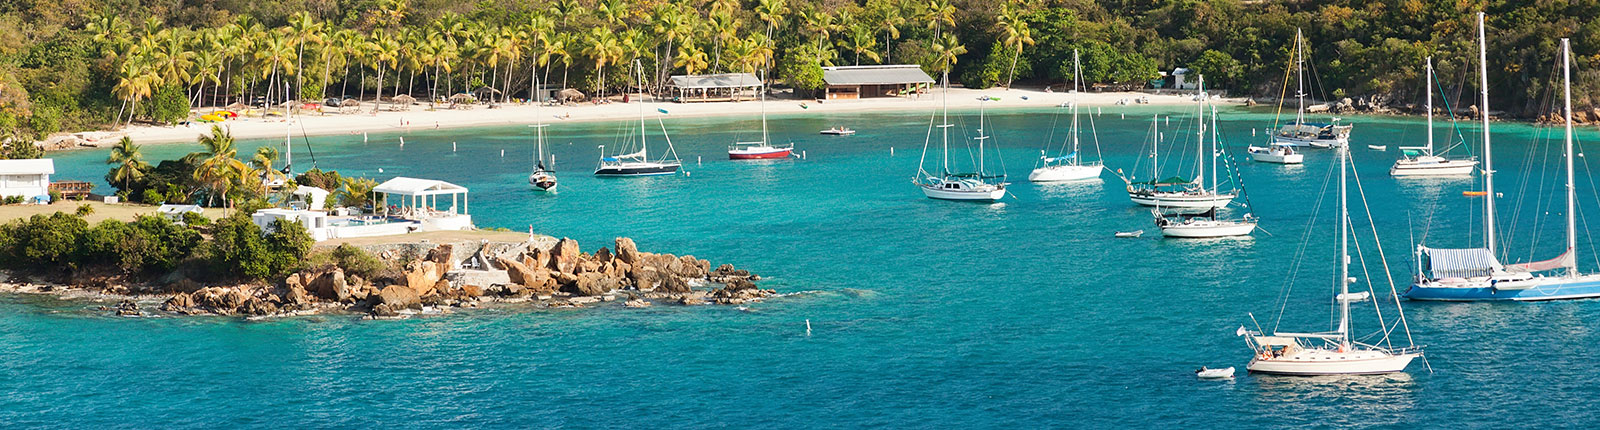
{"points": [[238, 248], [195, 219], [149, 245], [45, 121], [351, 259], [55, 196], [151, 197], [84, 210], [169, 105], [41, 242]]}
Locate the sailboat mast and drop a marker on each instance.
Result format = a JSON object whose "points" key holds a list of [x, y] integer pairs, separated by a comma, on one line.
{"points": [[944, 123], [288, 150], [1488, 155], [1344, 250], [1155, 147], [1200, 132], [1300, 77], [1572, 222], [1429, 84], [763, 89], [1214, 139], [644, 149], [1075, 73]]}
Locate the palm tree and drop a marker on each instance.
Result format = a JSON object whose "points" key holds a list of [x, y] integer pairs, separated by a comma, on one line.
{"points": [[110, 31], [218, 168], [772, 12], [136, 80], [860, 40], [691, 58], [603, 48], [276, 52], [129, 161], [537, 31], [824, 24], [672, 24], [1014, 33], [383, 50], [939, 13], [338, 50], [207, 67], [723, 27], [946, 49], [262, 162], [303, 29], [888, 18]]}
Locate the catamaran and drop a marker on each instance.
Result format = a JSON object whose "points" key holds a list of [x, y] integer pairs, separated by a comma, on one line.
{"points": [[764, 149], [638, 163], [1420, 160], [1206, 224], [1068, 167], [1334, 352], [947, 185], [1476, 274], [1299, 132], [1177, 192]]}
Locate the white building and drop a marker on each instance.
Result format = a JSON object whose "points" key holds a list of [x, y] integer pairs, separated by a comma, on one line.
{"points": [[27, 178], [1179, 80]]}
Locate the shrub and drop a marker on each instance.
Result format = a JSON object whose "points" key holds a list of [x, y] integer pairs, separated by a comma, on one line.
{"points": [[152, 197], [239, 248], [55, 196], [148, 245], [84, 210], [169, 105], [41, 242], [351, 259], [195, 219]]}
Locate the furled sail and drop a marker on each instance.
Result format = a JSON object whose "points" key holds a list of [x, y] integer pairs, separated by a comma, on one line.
{"points": [[1566, 259]]}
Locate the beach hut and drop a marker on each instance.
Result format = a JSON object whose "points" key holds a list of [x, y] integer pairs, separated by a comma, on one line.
{"points": [[311, 198], [350, 105], [721, 87], [462, 100], [891, 80], [29, 179], [421, 200], [175, 213]]}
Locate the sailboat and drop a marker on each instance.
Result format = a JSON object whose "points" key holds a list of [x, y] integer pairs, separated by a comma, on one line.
{"points": [[1476, 274], [1420, 160], [1299, 132], [638, 163], [1177, 192], [760, 150], [1205, 224], [542, 178], [947, 185], [1068, 167], [1333, 352]]}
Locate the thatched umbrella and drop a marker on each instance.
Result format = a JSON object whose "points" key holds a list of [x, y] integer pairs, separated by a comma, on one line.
{"points": [[569, 95], [404, 101]]}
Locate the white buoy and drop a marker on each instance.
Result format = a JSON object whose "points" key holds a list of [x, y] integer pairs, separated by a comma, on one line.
{"points": [[1252, 132], [502, 153], [1124, 116], [891, 151], [452, 147], [697, 160], [380, 170], [802, 154], [363, 137], [686, 173], [402, 141], [808, 326]]}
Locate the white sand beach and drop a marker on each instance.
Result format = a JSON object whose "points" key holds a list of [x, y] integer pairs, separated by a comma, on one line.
{"points": [[420, 118]]}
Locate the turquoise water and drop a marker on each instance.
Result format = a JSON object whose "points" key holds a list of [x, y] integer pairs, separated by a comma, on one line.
{"points": [[923, 313]]}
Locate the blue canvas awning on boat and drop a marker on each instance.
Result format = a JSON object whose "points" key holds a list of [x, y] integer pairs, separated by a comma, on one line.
{"points": [[1061, 158], [1461, 263]]}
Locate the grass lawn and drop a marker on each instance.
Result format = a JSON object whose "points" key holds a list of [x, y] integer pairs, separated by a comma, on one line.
{"points": [[102, 211]]}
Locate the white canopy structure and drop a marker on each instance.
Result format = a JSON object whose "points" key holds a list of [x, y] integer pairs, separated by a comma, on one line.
{"points": [[420, 197], [314, 198]]}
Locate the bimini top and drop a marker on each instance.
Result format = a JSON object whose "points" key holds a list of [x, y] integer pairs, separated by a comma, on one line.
{"points": [[39, 166], [418, 187], [1461, 263], [875, 75], [723, 80]]}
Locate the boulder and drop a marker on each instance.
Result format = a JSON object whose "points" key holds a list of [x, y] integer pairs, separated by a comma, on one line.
{"points": [[330, 285], [627, 252], [592, 284], [441, 255], [258, 307], [673, 284], [644, 278], [518, 271], [471, 291], [564, 256], [219, 300], [588, 267], [439, 288], [398, 297], [602, 256], [421, 275], [540, 258], [296, 298], [178, 302]]}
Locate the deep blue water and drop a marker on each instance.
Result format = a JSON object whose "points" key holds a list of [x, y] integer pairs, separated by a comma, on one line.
{"points": [[924, 313]]}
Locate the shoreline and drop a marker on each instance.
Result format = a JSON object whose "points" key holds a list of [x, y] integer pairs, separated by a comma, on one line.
{"points": [[419, 118]]}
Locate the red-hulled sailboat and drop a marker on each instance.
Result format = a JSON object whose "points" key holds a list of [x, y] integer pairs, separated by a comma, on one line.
{"points": [[764, 149]]}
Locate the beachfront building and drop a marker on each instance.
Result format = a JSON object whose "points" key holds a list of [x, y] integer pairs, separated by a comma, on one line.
{"points": [[29, 179], [422, 201], [858, 82], [175, 213], [305, 197], [722, 87], [1181, 81]]}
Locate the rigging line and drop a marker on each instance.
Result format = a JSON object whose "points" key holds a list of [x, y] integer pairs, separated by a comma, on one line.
{"points": [[1284, 90], [1461, 139], [921, 162], [307, 140], [1367, 274], [1593, 191], [1300, 252], [1049, 140], [1382, 258], [1095, 134]]}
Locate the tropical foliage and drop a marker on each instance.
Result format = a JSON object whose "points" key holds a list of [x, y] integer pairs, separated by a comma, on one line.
{"points": [[81, 64]]}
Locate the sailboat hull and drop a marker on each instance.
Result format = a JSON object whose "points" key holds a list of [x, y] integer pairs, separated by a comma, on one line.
{"points": [[759, 153], [636, 169], [542, 181], [1333, 363], [1530, 290], [1181, 200], [1432, 166], [1267, 155], [1202, 229], [1066, 173], [970, 195]]}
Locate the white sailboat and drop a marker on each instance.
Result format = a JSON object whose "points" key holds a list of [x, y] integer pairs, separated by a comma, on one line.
{"points": [[1280, 153], [1476, 274], [1299, 132], [947, 185], [1177, 192], [543, 177], [1333, 352], [764, 149], [1420, 160], [638, 163], [1205, 224], [1068, 167]]}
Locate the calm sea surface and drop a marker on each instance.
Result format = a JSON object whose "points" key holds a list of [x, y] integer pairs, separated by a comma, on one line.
{"points": [[923, 313]]}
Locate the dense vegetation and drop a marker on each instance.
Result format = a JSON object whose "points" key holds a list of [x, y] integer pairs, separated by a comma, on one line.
{"points": [[64, 244], [85, 63]]}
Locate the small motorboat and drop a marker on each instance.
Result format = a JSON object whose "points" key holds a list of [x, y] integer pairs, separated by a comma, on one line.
{"points": [[1135, 233], [1378, 147], [1205, 373], [838, 131]]}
